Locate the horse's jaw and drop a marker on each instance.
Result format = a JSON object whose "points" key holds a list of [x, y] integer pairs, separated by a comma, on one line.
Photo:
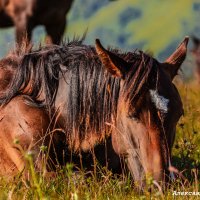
{"points": [[139, 146]]}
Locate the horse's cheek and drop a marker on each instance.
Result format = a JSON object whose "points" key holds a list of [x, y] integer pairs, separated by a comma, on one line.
{"points": [[118, 144]]}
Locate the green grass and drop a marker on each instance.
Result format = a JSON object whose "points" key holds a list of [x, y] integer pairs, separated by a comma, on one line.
{"points": [[66, 184], [186, 150]]}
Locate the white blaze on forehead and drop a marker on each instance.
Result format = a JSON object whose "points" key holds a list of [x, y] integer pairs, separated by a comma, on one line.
{"points": [[160, 102]]}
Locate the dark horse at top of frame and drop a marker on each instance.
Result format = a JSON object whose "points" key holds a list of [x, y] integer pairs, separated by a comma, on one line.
{"points": [[102, 93], [25, 15]]}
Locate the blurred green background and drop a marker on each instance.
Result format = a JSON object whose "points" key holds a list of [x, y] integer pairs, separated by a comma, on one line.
{"points": [[154, 25]]}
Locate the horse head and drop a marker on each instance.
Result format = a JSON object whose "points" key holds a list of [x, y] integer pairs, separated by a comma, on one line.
{"points": [[149, 108]]}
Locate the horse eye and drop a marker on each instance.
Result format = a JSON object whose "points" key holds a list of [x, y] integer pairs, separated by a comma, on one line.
{"points": [[134, 115]]}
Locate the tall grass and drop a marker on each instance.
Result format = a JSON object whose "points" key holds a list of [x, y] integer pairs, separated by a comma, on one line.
{"points": [[68, 184]]}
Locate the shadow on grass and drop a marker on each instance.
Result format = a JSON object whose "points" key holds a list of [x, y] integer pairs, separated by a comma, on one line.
{"points": [[102, 155], [186, 166]]}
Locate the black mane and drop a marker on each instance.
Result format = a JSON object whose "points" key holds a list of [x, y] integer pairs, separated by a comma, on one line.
{"points": [[94, 93]]}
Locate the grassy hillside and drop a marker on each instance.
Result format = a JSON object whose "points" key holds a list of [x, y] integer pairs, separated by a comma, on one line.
{"points": [[156, 25], [149, 25]]}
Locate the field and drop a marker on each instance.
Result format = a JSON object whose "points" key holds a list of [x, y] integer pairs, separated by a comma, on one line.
{"points": [[127, 24], [66, 184]]}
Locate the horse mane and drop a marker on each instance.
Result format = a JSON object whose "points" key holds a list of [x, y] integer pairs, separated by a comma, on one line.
{"points": [[37, 72], [93, 92]]}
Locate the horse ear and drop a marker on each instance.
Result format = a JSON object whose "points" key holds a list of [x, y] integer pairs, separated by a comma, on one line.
{"points": [[114, 64], [173, 63]]}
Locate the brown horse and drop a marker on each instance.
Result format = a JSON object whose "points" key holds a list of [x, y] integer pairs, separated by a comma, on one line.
{"points": [[24, 128], [196, 54], [32, 127], [103, 93], [25, 15]]}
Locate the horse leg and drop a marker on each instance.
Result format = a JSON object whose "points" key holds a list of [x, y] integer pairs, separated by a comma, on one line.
{"points": [[29, 30], [23, 34], [20, 34], [24, 27], [55, 31]]}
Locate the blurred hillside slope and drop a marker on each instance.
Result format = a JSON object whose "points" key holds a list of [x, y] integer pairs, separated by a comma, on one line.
{"points": [[157, 25]]}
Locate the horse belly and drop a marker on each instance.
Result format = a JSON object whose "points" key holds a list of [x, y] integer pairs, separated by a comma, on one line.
{"points": [[48, 12]]}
